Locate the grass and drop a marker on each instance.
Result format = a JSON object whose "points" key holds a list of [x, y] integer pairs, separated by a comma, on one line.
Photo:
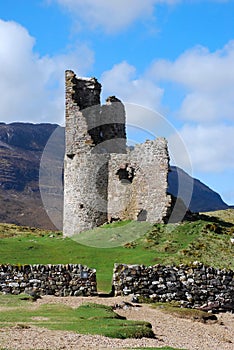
{"points": [[186, 313], [89, 318], [11, 230], [225, 215], [26, 248], [114, 234], [153, 244], [189, 241]]}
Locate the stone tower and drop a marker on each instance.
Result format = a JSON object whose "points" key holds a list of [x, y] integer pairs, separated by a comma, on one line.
{"points": [[103, 180]]}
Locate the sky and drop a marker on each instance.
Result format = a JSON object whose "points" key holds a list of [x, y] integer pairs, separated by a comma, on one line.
{"points": [[170, 59]]}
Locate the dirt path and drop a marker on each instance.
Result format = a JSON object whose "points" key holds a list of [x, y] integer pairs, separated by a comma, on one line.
{"points": [[169, 330]]}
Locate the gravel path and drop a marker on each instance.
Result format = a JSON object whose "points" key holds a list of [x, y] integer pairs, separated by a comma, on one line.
{"points": [[169, 330]]}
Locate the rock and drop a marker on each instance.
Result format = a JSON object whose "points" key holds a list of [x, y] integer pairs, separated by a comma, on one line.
{"points": [[209, 318], [135, 299], [34, 294], [125, 305]]}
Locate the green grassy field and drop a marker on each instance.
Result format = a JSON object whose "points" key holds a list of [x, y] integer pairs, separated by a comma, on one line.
{"points": [[113, 235], [89, 318], [165, 244], [125, 242]]}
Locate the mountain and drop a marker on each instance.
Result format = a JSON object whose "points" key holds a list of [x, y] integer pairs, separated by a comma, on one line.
{"points": [[23, 145], [198, 196]]}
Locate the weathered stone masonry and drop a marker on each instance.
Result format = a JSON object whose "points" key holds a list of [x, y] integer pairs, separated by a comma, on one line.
{"points": [[192, 286], [58, 280], [137, 183], [103, 179]]}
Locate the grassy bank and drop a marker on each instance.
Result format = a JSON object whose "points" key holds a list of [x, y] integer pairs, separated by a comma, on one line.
{"points": [[153, 244]]}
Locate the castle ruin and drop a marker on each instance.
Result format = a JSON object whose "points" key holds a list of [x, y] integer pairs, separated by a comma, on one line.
{"points": [[104, 180]]}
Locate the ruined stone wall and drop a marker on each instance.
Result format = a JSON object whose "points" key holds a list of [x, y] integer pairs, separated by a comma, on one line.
{"points": [[59, 280], [192, 286], [137, 186], [102, 179], [92, 133]]}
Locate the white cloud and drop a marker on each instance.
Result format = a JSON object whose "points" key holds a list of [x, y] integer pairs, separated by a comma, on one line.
{"points": [[32, 87], [209, 147], [113, 15], [207, 79], [206, 103], [121, 81]]}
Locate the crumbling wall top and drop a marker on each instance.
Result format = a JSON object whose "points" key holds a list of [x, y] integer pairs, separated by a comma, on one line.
{"points": [[91, 127], [85, 92]]}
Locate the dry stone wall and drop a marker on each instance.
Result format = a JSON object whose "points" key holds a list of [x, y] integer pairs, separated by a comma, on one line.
{"points": [[58, 280], [192, 286]]}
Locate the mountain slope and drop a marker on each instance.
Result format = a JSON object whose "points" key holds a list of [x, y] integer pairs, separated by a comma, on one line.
{"points": [[202, 197], [21, 149], [21, 146]]}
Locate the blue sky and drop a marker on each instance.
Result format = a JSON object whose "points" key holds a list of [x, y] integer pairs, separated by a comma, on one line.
{"points": [[172, 57]]}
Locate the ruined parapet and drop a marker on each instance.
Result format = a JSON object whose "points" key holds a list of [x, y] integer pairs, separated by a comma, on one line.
{"points": [[81, 94], [137, 185], [113, 130]]}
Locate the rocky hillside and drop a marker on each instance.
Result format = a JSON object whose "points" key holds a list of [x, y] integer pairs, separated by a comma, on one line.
{"points": [[21, 148]]}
